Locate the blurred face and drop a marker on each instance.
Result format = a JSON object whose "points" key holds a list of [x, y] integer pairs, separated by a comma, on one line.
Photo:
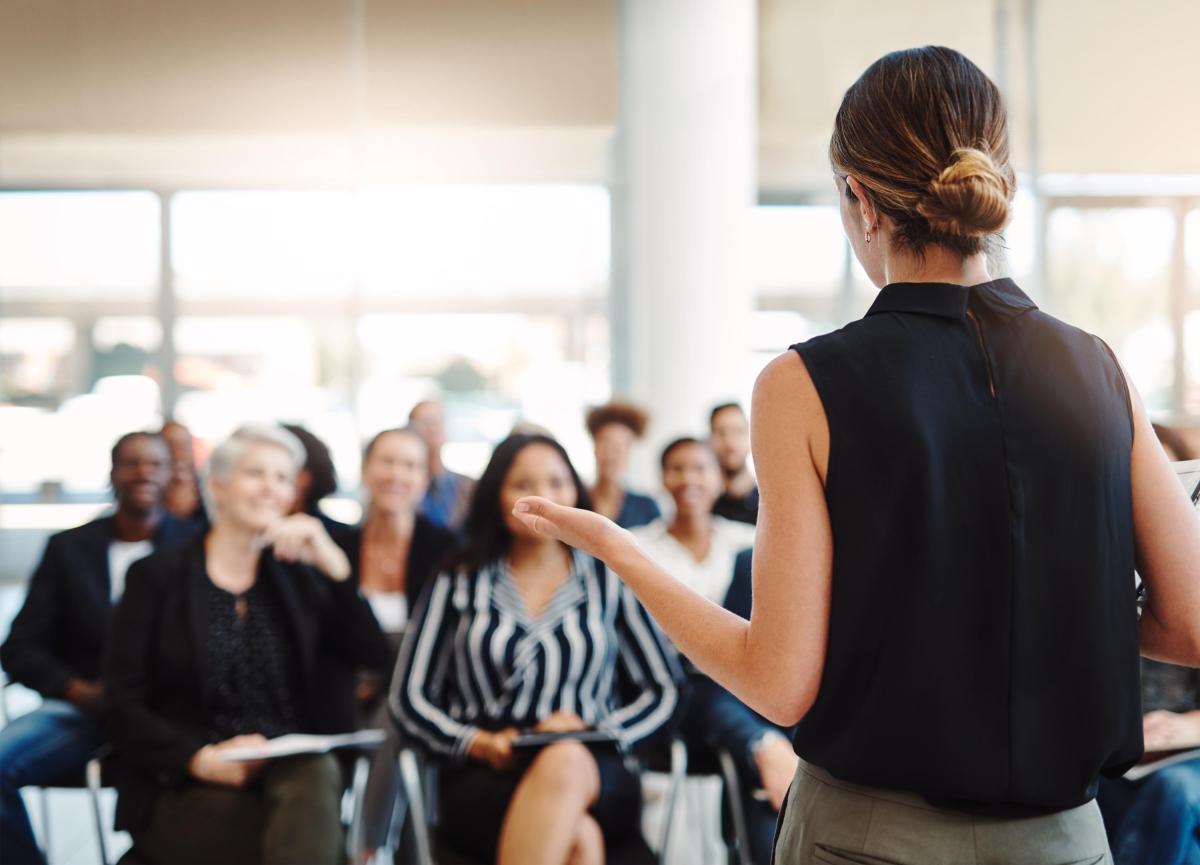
{"points": [[612, 443], [179, 440], [141, 473], [693, 479], [429, 423], [259, 490], [538, 470], [731, 439], [396, 473]]}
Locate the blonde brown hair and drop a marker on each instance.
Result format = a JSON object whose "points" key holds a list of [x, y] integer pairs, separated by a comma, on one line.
{"points": [[624, 413], [926, 134]]}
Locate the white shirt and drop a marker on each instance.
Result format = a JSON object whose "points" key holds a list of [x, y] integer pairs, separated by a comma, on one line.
{"points": [[122, 554], [711, 576], [390, 609]]}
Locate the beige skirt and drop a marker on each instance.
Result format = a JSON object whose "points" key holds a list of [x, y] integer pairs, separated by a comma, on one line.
{"points": [[830, 822]]}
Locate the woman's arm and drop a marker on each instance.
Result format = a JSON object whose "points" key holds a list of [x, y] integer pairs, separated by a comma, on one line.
{"points": [[773, 663], [650, 667], [1167, 535], [419, 686]]}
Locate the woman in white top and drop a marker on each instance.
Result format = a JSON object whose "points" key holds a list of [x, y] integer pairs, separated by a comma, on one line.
{"points": [[695, 546], [393, 552]]}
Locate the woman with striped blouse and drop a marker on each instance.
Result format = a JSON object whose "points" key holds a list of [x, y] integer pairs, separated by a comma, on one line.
{"points": [[524, 634]]}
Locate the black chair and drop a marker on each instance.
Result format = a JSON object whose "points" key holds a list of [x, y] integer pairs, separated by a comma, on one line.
{"points": [[418, 778]]}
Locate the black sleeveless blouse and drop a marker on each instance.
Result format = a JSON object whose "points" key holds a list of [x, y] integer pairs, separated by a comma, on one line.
{"points": [[983, 646]]}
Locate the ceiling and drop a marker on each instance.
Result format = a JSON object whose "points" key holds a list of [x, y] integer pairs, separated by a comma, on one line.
{"points": [[291, 92]]}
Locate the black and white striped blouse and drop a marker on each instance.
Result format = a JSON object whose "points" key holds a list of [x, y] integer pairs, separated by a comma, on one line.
{"points": [[474, 658]]}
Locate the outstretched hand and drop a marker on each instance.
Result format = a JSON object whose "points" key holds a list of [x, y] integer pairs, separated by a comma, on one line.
{"points": [[585, 530]]}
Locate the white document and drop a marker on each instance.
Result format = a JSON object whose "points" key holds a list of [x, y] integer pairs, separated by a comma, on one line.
{"points": [[304, 743], [1188, 473], [1169, 759]]}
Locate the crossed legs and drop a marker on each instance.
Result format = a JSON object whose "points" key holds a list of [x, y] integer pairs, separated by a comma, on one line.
{"points": [[547, 822]]}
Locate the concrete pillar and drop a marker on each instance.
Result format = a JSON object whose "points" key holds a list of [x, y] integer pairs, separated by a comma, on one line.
{"points": [[685, 177]]}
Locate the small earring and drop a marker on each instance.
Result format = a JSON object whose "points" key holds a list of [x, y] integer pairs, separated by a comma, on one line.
{"points": [[868, 237]]}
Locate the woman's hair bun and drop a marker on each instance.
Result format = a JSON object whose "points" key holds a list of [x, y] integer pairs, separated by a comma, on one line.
{"points": [[971, 196]]}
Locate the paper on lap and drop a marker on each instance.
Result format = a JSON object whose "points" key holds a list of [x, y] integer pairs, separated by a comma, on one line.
{"points": [[303, 743]]}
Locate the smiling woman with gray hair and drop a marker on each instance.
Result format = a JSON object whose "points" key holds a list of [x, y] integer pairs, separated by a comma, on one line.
{"points": [[221, 644]]}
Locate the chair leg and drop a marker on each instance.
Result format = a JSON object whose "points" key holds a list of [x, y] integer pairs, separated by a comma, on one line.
{"points": [[733, 792], [356, 832], [93, 787], [44, 796], [410, 777], [679, 760]]}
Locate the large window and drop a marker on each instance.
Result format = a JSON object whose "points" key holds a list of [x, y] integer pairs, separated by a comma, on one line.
{"points": [[331, 308]]}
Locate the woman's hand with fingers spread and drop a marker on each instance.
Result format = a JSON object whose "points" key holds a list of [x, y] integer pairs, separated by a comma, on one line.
{"points": [[587, 531]]}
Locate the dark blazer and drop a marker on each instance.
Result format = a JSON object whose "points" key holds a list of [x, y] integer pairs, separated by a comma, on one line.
{"points": [[155, 669], [62, 628], [430, 545], [637, 510]]}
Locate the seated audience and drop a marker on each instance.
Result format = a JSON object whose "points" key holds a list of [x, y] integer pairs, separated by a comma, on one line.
{"points": [[58, 637], [316, 480], [218, 644], [762, 751], [711, 554], [449, 494], [730, 431], [614, 428], [1157, 819], [523, 634], [392, 553], [183, 500]]}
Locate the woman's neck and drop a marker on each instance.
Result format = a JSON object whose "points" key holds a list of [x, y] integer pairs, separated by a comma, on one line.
{"points": [[389, 526], [536, 554], [937, 264], [231, 555], [607, 486], [691, 525]]}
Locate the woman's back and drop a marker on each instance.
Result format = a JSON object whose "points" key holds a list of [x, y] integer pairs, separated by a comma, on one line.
{"points": [[983, 645]]}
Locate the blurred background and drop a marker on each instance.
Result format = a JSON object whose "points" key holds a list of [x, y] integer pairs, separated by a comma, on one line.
{"points": [[321, 211]]}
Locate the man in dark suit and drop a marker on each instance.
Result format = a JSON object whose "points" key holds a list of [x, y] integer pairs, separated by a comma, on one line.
{"points": [[57, 640]]}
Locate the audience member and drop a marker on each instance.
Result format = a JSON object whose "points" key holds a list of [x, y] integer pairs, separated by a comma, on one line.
{"points": [[316, 479], [710, 554], [216, 645], [449, 494], [696, 546], [731, 441], [614, 428], [523, 634], [1157, 819], [183, 499], [58, 637], [392, 553]]}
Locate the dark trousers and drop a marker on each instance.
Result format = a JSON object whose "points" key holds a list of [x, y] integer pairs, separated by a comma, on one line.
{"points": [[1156, 819], [291, 814]]}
